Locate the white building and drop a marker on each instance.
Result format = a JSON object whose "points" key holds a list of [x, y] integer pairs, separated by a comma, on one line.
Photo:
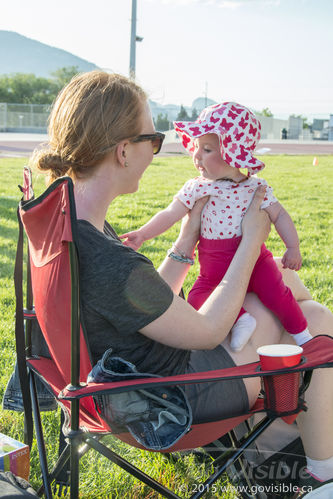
{"points": [[330, 128]]}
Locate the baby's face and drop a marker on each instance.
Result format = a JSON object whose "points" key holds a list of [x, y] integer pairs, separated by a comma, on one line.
{"points": [[207, 158]]}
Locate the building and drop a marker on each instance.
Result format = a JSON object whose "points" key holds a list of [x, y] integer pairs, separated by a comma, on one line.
{"points": [[271, 128], [295, 127], [330, 128], [320, 129], [33, 118]]}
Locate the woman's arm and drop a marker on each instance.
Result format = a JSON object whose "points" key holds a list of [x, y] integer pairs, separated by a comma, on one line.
{"points": [[173, 272], [183, 327], [286, 229], [160, 222]]}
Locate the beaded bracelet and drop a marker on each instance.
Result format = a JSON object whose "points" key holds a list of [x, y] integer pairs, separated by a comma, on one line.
{"points": [[180, 252], [179, 258]]}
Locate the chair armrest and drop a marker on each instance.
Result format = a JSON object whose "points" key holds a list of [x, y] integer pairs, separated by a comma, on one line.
{"points": [[318, 352]]}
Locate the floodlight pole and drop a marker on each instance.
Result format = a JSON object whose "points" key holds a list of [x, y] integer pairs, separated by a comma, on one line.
{"points": [[134, 39]]}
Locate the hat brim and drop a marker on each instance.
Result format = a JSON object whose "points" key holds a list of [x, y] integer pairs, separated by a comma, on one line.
{"points": [[235, 155]]}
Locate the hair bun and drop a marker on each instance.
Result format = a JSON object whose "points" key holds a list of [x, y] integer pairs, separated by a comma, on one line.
{"points": [[48, 161]]}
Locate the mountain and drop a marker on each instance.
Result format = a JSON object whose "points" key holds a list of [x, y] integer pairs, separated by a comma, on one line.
{"points": [[19, 54]]}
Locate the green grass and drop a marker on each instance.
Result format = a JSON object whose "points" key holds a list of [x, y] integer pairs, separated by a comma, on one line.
{"points": [[304, 190]]}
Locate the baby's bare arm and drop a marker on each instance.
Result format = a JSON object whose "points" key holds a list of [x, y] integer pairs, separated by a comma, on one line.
{"points": [[286, 229], [160, 222], [163, 220]]}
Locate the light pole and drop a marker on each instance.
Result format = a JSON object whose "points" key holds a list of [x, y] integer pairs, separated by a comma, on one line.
{"points": [[206, 91], [134, 39]]}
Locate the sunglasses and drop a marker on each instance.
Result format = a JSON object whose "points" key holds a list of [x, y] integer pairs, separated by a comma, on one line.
{"points": [[155, 138]]}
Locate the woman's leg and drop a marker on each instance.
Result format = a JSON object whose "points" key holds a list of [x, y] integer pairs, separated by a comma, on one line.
{"points": [[316, 425], [268, 331]]}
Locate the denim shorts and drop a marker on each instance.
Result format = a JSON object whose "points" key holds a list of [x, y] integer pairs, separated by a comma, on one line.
{"points": [[156, 417], [13, 401], [217, 399]]}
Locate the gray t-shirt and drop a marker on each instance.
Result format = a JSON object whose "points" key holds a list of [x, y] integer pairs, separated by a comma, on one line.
{"points": [[121, 292]]}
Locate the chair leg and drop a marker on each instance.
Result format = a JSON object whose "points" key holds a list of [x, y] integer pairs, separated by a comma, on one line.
{"points": [[74, 443], [229, 457], [61, 471], [239, 472], [74, 465], [125, 465], [40, 438]]}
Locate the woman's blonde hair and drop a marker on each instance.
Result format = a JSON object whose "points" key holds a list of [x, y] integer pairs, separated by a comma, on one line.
{"points": [[90, 116]]}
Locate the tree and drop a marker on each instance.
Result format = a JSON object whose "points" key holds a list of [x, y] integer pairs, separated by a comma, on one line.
{"points": [[303, 118], [194, 115], [24, 88], [162, 122], [182, 115], [267, 112], [305, 122], [62, 76], [6, 90]]}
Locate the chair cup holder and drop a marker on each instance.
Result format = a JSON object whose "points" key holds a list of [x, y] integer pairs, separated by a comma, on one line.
{"points": [[285, 369], [282, 391]]}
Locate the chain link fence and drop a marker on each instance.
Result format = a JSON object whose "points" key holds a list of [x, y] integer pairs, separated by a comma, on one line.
{"points": [[24, 117]]}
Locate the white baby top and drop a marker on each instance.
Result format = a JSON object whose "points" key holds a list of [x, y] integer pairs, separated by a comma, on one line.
{"points": [[222, 215]]}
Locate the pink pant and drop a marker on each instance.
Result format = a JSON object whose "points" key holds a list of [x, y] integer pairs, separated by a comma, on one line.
{"points": [[266, 281]]}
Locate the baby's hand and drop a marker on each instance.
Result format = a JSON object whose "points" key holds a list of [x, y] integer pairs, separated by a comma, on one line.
{"points": [[292, 259], [133, 239]]}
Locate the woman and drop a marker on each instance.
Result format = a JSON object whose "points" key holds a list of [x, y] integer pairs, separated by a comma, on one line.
{"points": [[102, 135]]}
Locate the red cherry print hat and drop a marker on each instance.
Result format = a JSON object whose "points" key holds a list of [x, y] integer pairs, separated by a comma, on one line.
{"points": [[238, 131]]}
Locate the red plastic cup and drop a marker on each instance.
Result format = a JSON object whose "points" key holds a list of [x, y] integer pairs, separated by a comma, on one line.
{"points": [[281, 390], [279, 356]]}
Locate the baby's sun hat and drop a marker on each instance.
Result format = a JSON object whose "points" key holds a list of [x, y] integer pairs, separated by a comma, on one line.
{"points": [[237, 128]]}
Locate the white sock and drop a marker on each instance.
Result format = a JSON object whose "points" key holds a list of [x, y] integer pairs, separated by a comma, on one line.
{"points": [[242, 331], [323, 469], [302, 337]]}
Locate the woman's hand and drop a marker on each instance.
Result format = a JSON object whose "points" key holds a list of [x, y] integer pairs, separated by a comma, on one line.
{"points": [[190, 228], [256, 223]]}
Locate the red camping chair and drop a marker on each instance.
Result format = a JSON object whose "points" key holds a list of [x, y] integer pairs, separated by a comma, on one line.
{"points": [[50, 225]]}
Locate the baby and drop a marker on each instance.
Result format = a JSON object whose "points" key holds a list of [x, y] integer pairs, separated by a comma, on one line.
{"points": [[221, 142]]}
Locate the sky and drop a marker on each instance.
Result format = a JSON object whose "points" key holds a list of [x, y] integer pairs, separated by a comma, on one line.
{"points": [[260, 53]]}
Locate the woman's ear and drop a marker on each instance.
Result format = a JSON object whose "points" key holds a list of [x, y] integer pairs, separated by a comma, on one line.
{"points": [[121, 153]]}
